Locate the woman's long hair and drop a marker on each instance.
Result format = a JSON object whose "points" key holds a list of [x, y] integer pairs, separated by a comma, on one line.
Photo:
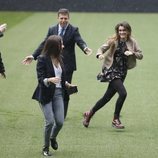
{"points": [[53, 47], [116, 37], [126, 26]]}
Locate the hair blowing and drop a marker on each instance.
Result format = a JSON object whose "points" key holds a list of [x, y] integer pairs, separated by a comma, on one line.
{"points": [[126, 26], [53, 47], [116, 36]]}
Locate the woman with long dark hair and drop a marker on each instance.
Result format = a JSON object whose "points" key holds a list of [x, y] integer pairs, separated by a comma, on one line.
{"points": [[119, 53], [50, 90]]}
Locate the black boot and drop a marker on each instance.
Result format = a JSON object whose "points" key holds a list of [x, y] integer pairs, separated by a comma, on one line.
{"points": [[46, 152], [54, 143]]}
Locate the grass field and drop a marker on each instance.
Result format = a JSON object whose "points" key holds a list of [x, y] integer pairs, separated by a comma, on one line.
{"points": [[21, 121]]}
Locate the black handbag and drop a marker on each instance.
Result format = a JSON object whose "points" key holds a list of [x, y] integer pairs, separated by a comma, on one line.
{"points": [[72, 90], [104, 75], [101, 77]]}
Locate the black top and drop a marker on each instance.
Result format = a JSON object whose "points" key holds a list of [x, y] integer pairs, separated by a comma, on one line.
{"points": [[119, 66]]}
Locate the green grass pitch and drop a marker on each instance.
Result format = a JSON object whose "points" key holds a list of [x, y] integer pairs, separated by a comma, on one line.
{"points": [[21, 120]]}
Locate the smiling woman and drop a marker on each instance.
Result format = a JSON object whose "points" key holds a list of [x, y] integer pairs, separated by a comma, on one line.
{"points": [[119, 54], [21, 118]]}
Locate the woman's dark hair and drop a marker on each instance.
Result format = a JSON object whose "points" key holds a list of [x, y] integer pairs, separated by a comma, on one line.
{"points": [[126, 26], [53, 47]]}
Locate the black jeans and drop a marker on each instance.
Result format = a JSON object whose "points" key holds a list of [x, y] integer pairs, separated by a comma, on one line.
{"points": [[114, 86]]}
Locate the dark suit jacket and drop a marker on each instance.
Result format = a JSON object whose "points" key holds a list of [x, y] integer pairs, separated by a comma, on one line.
{"points": [[1, 34], [2, 69], [71, 37], [45, 69]]}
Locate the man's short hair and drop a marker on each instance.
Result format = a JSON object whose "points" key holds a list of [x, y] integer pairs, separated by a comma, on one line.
{"points": [[63, 11]]}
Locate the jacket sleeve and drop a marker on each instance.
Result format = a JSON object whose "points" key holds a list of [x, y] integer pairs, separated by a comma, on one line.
{"points": [[1, 34], [38, 51], [135, 49], [103, 49], [2, 70], [42, 93], [137, 52], [41, 70], [78, 39]]}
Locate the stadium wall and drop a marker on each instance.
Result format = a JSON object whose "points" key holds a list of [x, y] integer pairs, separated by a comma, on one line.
{"points": [[80, 5]]}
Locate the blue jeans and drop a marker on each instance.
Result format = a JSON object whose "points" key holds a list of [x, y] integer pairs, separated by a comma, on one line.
{"points": [[54, 116]]}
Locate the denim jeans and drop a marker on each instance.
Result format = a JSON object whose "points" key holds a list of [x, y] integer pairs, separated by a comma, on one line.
{"points": [[54, 116]]}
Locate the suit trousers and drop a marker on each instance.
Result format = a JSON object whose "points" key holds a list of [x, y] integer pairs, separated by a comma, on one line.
{"points": [[54, 116], [68, 77]]}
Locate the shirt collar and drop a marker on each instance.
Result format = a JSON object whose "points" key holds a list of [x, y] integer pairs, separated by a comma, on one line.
{"points": [[61, 27]]}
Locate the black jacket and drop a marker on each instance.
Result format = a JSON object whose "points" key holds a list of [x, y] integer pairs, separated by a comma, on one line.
{"points": [[45, 69], [2, 69], [71, 37]]}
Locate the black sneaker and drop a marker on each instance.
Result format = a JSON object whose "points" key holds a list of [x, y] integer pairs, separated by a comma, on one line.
{"points": [[46, 152], [54, 143]]}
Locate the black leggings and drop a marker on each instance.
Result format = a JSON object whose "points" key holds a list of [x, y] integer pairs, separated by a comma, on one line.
{"points": [[114, 86]]}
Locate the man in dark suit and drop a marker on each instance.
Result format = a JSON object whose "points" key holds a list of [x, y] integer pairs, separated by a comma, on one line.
{"points": [[71, 36]]}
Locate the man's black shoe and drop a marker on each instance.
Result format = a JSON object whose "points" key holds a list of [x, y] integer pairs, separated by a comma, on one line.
{"points": [[54, 143], [46, 152]]}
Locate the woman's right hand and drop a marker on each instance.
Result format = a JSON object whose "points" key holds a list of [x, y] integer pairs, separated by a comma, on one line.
{"points": [[54, 80], [101, 57]]}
